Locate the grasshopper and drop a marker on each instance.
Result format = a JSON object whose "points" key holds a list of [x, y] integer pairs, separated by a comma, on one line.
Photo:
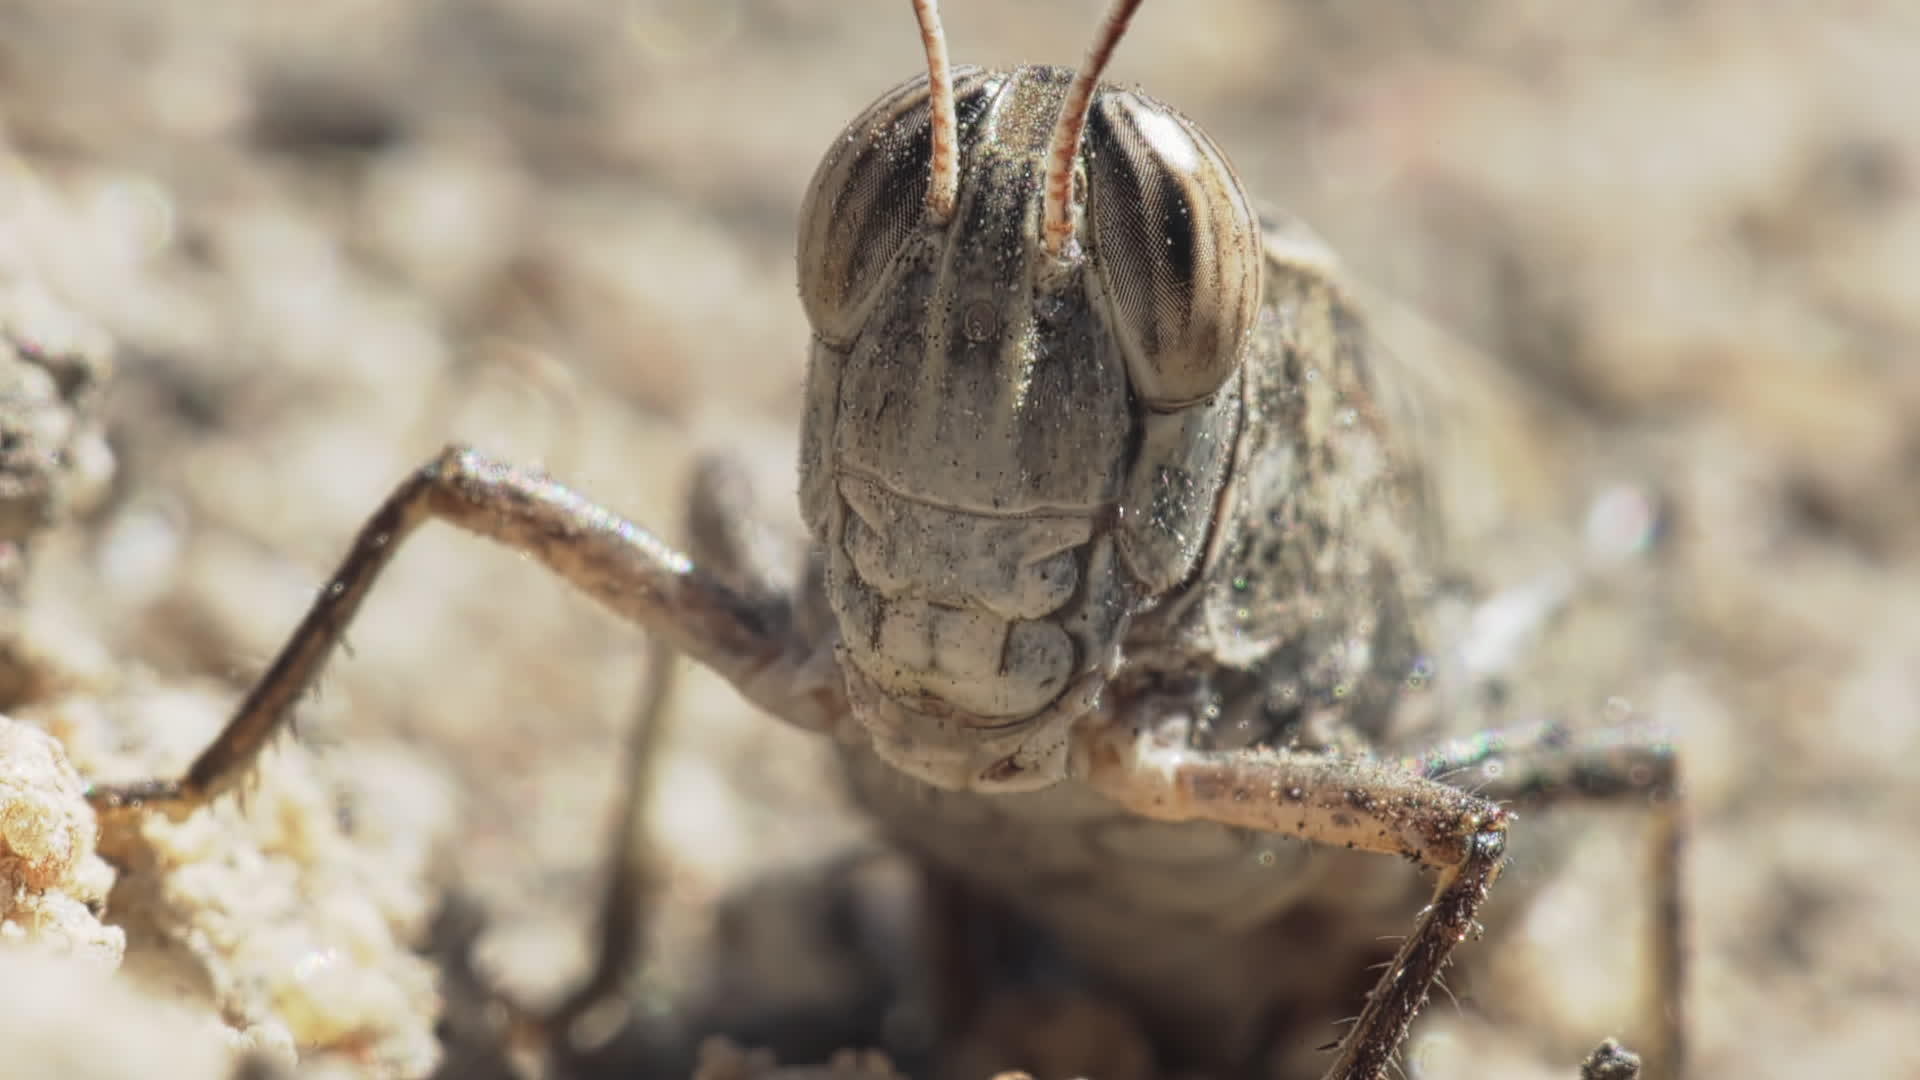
{"points": [[1118, 555]]}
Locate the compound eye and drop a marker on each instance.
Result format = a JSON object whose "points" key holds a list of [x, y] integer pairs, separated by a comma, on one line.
{"points": [[1176, 246], [867, 198]]}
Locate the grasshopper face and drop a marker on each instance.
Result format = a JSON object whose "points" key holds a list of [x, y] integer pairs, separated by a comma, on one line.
{"points": [[1007, 452]]}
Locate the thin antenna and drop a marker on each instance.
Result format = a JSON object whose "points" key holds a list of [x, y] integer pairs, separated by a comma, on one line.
{"points": [[1056, 207], [943, 186]]}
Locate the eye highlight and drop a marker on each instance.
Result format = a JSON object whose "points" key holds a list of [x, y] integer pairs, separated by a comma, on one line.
{"points": [[1176, 246]]}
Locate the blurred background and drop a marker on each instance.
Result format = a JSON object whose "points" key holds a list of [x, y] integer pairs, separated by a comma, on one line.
{"points": [[328, 238]]}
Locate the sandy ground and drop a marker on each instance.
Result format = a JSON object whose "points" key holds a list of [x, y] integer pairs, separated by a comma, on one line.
{"points": [[328, 239]]}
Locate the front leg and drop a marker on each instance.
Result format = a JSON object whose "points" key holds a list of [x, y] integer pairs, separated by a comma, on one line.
{"points": [[746, 639], [761, 564], [1547, 765], [1341, 802]]}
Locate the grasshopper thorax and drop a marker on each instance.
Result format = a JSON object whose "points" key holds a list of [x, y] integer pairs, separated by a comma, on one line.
{"points": [[1007, 451]]}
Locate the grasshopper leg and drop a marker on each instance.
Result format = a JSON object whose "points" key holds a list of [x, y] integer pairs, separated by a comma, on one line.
{"points": [[1340, 802], [1547, 765], [633, 878], [732, 621], [753, 560], [613, 560], [1404, 808]]}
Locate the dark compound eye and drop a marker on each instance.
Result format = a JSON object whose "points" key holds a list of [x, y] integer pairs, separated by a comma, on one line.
{"points": [[868, 197], [1176, 246]]}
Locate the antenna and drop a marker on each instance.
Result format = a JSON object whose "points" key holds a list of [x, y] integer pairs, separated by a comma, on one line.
{"points": [[1056, 215], [943, 185]]}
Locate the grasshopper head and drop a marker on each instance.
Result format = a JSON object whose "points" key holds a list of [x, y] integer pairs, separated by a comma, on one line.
{"points": [[1022, 399]]}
